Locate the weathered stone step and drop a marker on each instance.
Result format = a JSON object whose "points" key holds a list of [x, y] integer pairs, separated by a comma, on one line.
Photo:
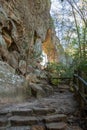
{"points": [[22, 112], [35, 127], [55, 118], [38, 127], [18, 128], [74, 128], [25, 121], [43, 111], [3, 122], [56, 126], [3, 113]]}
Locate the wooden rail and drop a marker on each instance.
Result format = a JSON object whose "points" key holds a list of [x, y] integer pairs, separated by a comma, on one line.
{"points": [[80, 87]]}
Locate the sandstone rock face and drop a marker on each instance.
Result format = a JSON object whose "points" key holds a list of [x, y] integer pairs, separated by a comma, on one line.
{"points": [[11, 85], [23, 28], [53, 48], [60, 57], [22, 66]]}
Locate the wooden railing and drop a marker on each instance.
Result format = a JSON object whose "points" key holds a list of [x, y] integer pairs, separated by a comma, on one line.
{"points": [[80, 87]]}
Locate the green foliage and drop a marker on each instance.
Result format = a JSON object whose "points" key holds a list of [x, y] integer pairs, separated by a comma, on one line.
{"points": [[82, 65], [74, 37], [55, 81], [60, 70]]}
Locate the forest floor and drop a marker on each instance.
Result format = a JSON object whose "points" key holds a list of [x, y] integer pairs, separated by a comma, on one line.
{"points": [[59, 111]]}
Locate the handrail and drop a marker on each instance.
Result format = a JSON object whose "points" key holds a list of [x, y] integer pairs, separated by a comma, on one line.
{"points": [[80, 86], [81, 79], [61, 77]]}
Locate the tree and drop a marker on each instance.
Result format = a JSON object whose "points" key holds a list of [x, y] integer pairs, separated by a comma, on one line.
{"points": [[71, 26]]}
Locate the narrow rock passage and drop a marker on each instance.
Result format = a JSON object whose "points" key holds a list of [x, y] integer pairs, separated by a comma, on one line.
{"points": [[55, 112]]}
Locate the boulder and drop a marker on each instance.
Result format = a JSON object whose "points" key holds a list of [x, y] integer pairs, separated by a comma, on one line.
{"points": [[12, 60], [43, 75], [37, 72], [40, 74], [22, 66], [31, 78], [47, 88], [30, 69], [12, 86], [37, 90], [2, 42], [5, 68]]}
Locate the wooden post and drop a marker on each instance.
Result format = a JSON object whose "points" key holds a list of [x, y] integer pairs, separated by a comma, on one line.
{"points": [[81, 89], [75, 84]]}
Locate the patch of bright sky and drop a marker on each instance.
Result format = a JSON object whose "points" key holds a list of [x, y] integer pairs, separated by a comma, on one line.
{"points": [[55, 6], [44, 59], [58, 11]]}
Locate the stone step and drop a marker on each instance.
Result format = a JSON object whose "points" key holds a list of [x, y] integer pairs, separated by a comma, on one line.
{"points": [[3, 122], [38, 127], [55, 118], [35, 127], [43, 111], [56, 126], [22, 112], [18, 128], [26, 121], [3, 113], [74, 128]]}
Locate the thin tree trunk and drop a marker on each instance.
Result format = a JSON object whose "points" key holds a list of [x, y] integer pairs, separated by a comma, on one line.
{"points": [[79, 11], [80, 53], [84, 43]]}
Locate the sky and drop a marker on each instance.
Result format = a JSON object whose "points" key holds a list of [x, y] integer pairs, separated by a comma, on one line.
{"points": [[55, 6], [63, 18], [57, 13]]}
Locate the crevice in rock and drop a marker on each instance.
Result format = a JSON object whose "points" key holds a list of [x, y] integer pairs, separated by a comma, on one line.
{"points": [[1, 24], [13, 47], [6, 30], [35, 36], [6, 33], [34, 94]]}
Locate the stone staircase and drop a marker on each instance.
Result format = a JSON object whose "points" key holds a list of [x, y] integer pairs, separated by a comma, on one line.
{"points": [[26, 119], [33, 119]]}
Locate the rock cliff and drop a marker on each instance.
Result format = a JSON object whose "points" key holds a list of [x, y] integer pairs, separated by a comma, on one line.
{"points": [[23, 29], [24, 26]]}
